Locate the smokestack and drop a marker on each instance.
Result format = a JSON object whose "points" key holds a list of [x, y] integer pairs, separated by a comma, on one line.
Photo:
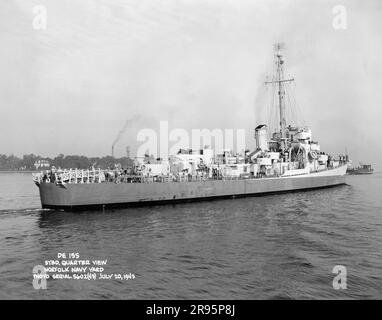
{"points": [[112, 151]]}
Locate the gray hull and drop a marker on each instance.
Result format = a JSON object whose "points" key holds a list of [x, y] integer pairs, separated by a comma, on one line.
{"points": [[103, 195]]}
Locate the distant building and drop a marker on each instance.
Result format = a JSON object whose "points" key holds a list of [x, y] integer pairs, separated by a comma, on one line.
{"points": [[43, 164]]}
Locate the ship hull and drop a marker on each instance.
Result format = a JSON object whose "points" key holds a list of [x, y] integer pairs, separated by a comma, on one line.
{"points": [[108, 195], [359, 172]]}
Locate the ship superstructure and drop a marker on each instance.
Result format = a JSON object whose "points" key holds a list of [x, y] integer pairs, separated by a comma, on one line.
{"points": [[290, 160]]}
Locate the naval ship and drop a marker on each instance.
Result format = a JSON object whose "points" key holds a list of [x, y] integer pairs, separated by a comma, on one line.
{"points": [[285, 160], [361, 169]]}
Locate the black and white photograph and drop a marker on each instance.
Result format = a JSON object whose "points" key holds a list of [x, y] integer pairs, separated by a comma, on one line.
{"points": [[199, 151]]}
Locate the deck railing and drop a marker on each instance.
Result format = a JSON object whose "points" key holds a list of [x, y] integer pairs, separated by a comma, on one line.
{"points": [[102, 176], [116, 176]]}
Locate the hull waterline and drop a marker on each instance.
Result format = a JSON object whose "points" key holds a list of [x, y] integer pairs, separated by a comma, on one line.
{"points": [[111, 195]]}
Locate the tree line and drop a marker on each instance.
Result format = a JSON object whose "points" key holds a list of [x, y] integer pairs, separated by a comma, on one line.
{"points": [[27, 162]]}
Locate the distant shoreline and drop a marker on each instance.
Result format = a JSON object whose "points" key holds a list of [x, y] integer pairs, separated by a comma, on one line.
{"points": [[19, 171]]}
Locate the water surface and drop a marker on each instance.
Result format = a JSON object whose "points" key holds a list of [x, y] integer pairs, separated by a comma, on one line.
{"points": [[277, 246]]}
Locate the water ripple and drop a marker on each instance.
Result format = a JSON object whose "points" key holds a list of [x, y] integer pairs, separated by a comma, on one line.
{"points": [[273, 247]]}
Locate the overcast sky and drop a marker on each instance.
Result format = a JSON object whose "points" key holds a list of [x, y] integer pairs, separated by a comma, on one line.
{"points": [[69, 88]]}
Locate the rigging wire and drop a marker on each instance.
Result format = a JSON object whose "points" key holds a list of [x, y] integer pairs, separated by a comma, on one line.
{"points": [[295, 111], [272, 111], [292, 117], [299, 110]]}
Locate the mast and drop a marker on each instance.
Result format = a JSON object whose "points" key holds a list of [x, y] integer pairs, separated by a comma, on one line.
{"points": [[280, 76], [281, 92]]}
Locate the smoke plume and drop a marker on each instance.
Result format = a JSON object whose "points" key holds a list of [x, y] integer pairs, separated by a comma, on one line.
{"points": [[124, 128]]}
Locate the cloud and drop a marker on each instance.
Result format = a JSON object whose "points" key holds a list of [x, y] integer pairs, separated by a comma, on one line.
{"points": [[195, 63]]}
